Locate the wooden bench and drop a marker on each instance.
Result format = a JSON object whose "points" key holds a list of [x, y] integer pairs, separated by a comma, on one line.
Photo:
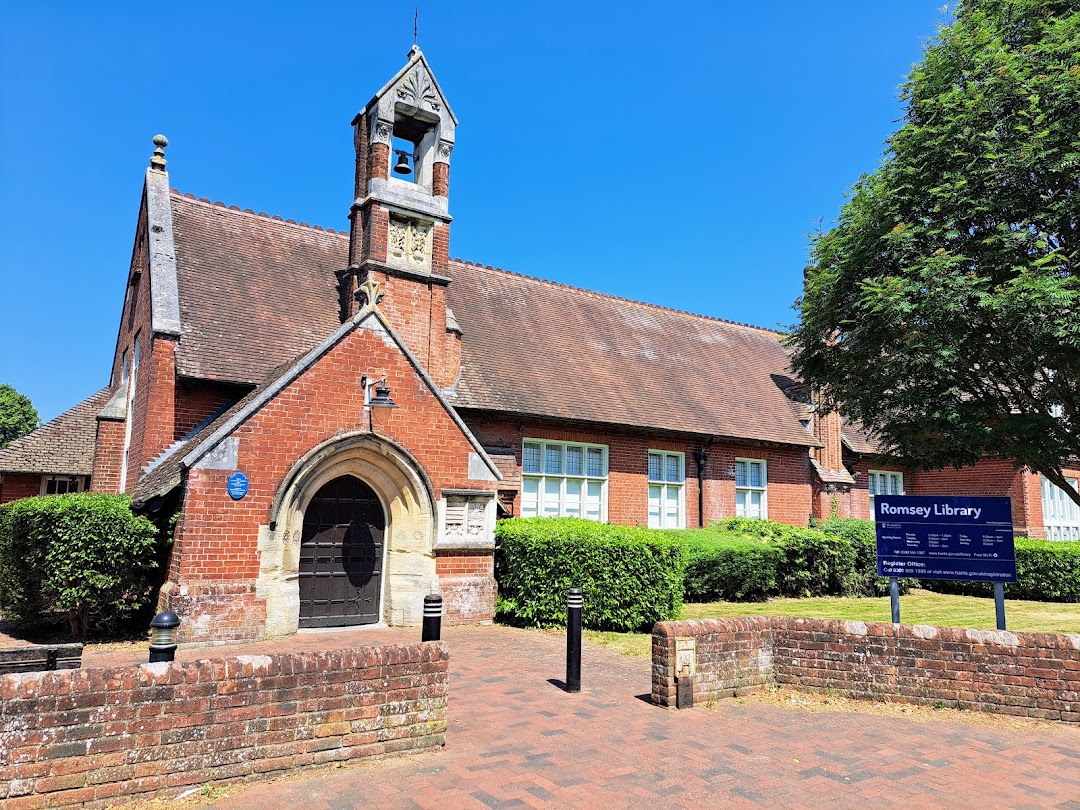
{"points": [[40, 658]]}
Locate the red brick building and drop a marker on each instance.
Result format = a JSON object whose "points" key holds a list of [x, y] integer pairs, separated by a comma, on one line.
{"points": [[339, 418]]}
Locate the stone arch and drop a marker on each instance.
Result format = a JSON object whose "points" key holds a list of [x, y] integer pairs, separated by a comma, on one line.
{"points": [[409, 503]]}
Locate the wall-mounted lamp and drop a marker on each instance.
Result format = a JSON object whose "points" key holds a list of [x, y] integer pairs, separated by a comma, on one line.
{"points": [[379, 400]]}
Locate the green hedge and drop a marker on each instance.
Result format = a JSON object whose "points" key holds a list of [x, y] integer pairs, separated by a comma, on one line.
{"points": [[630, 577], [1046, 571], [82, 557], [861, 535], [743, 560]]}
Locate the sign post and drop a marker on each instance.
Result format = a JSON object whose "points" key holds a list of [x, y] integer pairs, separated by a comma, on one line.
{"points": [[945, 537]]}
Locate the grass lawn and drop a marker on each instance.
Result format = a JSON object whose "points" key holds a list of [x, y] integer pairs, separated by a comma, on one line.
{"points": [[917, 607]]}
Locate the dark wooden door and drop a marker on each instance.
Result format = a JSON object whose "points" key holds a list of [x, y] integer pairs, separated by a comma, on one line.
{"points": [[341, 555]]}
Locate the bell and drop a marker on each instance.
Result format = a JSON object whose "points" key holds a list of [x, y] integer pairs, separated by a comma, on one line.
{"points": [[402, 166]]}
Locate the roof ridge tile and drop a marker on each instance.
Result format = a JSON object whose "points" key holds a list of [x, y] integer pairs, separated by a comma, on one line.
{"points": [[260, 214], [619, 298]]}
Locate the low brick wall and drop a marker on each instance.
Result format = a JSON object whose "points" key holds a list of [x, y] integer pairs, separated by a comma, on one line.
{"points": [[87, 736], [1025, 674]]}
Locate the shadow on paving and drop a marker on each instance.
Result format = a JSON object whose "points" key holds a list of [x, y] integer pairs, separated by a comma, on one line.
{"points": [[516, 740]]}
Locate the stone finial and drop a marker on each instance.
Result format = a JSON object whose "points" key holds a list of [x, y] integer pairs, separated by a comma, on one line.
{"points": [[157, 160], [369, 293]]}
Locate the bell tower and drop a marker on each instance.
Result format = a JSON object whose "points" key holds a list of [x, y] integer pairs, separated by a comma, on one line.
{"points": [[400, 231]]}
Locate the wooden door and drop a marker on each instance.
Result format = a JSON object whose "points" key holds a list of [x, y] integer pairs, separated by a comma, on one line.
{"points": [[341, 553]]}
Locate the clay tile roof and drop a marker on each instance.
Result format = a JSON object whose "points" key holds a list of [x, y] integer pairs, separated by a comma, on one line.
{"points": [[545, 349], [857, 439], [63, 446], [167, 472], [254, 291]]}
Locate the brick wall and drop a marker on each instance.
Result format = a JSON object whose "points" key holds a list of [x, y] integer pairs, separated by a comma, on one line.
{"points": [[217, 549], [990, 477], [108, 456], [16, 485], [196, 400], [1024, 674], [788, 471], [94, 736]]}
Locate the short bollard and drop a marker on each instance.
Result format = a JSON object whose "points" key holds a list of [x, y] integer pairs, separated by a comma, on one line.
{"points": [[573, 640], [163, 637], [432, 618]]}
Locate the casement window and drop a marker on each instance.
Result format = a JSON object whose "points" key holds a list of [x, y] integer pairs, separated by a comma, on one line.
{"points": [[1061, 515], [564, 479], [667, 476], [62, 484], [751, 495], [884, 482]]}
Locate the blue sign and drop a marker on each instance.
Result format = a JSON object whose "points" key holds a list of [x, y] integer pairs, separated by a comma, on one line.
{"points": [[238, 486], [932, 537]]}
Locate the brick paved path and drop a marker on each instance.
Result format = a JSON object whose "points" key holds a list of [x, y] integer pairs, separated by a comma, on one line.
{"points": [[517, 740]]}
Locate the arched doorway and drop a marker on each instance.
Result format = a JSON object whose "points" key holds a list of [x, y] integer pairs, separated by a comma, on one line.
{"points": [[341, 555]]}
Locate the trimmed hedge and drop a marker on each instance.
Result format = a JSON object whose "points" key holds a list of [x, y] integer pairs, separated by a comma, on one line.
{"points": [[85, 557], [1046, 571], [630, 577], [861, 535], [741, 559]]}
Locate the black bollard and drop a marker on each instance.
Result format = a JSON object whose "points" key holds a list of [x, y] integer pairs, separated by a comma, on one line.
{"points": [[573, 640], [163, 637], [432, 618]]}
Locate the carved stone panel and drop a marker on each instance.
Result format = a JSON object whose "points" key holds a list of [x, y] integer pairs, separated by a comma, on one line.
{"points": [[409, 244]]}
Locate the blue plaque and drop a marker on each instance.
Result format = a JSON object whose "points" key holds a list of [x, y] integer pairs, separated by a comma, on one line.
{"points": [[238, 486], [944, 537]]}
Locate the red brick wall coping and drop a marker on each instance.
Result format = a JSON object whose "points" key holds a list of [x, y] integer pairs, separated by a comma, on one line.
{"points": [[1025, 674], [88, 736]]}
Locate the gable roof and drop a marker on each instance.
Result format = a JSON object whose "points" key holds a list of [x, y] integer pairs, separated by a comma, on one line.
{"points": [[545, 349], [256, 291], [62, 446], [167, 470]]}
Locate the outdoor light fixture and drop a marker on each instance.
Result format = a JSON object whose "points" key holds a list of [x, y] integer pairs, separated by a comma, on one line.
{"points": [[163, 636], [379, 400], [402, 166]]}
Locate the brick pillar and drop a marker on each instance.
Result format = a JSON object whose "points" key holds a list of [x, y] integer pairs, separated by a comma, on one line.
{"points": [[108, 455]]}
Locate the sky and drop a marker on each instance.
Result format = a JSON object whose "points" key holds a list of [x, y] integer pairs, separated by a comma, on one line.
{"points": [[672, 152]]}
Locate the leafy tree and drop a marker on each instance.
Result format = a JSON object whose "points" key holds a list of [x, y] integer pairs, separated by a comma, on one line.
{"points": [[85, 556], [943, 309], [17, 415]]}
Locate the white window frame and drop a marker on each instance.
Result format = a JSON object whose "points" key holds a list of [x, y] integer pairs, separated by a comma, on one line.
{"points": [[131, 381], [873, 476], [665, 487], [1061, 515], [78, 480], [544, 480], [748, 489]]}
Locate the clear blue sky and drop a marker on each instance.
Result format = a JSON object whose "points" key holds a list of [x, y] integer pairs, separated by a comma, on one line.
{"points": [[677, 153]]}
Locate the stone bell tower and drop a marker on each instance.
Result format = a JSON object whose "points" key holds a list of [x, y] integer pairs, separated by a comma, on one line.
{"points": [[400, 233]]}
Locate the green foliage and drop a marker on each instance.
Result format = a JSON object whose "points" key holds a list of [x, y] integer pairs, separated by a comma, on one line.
{"points": [[630, 577], [741, 560], [17, 415], [1046, 571], [860, 534], [85, 556], [941, 310], [729, 567]]}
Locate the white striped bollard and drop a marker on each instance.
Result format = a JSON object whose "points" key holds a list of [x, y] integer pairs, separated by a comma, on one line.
{"points": [[432, 618]]}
